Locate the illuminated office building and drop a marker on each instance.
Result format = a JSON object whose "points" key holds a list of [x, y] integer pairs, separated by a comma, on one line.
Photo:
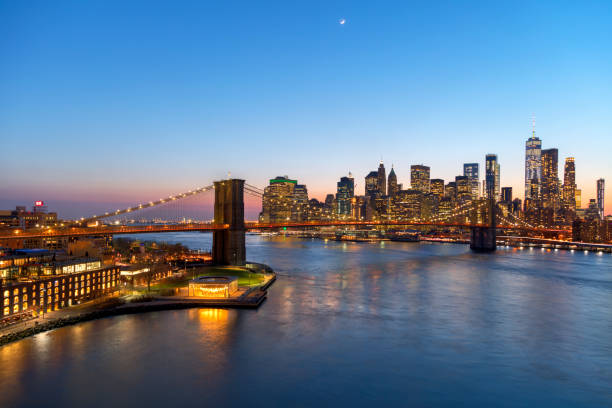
{"points": [[492, 177], [464, 188], [506, 194], [569, 184], [533, 163], [437, 187], [284, 200], [299, 203], [550, 179], [382, 179], [392, 186], [600, 197], [344, 195], [371, 185], [471, 170], [419, 178], [406, 204], [578, 198], [450, 190]]}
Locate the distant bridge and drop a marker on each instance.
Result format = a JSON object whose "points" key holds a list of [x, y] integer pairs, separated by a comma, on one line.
{"points": [[229, 227]]}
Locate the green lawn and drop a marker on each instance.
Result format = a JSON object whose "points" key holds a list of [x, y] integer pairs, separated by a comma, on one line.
{"points": [[245, 277]]}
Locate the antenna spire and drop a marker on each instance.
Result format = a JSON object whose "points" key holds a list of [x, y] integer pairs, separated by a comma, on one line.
{"points": [[533, 124]]}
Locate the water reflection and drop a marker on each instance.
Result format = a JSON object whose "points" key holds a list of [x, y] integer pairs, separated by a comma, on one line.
{"points": [[349, 324]]}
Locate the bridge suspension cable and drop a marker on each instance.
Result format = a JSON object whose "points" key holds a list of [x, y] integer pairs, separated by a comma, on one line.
{"points": [[254, 191], [150, 204]]}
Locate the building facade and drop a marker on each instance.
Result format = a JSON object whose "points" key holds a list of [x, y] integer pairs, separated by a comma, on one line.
{"points": [[392, 186], [533, 163], [492, 177], [54, 292], [569, 184], [601, 187], [550, 179], [437, 187], [419, 178], [344, 195], [382, 179], [471, 170], [284, 200]]}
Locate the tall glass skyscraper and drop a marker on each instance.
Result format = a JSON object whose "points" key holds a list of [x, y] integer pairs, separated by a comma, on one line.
{"points": [[600, 196], [550, 178], [382, 179], [345, 194], [492, 178], [392, 187], [471, 170], [569, 184], [533, 163]]}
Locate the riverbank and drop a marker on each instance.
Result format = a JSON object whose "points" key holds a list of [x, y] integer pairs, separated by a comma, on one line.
{"points": [[252, 298], [507, 241]]}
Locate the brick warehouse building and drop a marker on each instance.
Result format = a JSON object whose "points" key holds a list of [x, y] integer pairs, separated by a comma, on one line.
{"points": [[54, 292]]}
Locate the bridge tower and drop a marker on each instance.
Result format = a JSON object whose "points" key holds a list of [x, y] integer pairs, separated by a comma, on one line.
{"points": [[228, 244], [484, 239]]}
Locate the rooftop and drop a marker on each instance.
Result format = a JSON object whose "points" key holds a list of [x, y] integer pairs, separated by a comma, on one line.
{"points": [[214, 279]]}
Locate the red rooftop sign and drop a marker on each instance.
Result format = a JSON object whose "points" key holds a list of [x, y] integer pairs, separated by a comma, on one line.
{"points": [[39, 203]]}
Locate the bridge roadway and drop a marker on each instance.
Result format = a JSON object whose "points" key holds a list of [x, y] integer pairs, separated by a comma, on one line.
{"points": [[144, 229]]}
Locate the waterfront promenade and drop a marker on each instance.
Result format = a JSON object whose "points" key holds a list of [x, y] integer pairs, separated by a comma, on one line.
{"points": [[247, 298]]}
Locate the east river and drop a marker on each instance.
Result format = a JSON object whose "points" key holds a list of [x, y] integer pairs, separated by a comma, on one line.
{"points": [[348, 324]]}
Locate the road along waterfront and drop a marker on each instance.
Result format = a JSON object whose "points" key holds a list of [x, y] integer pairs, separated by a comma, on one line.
{"points": [[348, 323]]}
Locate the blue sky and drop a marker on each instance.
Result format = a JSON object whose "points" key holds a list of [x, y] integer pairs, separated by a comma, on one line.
{"points": [[106, 103]]}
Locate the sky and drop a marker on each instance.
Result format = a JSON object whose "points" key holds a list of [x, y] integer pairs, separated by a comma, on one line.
{"points": [[105, 104]]}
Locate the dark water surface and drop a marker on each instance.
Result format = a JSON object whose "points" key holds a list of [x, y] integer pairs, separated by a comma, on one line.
{"points": [[348, 324]]}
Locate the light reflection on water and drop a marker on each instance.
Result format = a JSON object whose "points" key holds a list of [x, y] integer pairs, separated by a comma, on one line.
{"points": [[348, 324]]}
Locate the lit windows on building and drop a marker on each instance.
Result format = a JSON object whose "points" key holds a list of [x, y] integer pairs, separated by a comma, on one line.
{"points": [[371, 185], [437, 187], [492, 177], [533, 163], [550, 179], [471, 170], [392, 186], [569, 184], [53, 293], [419, 178], [284, 200], [601, 186], [344, 195]]}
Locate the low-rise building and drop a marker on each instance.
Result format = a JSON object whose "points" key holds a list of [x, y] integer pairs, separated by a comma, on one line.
{"points": [[213, 286], [54, 292]]}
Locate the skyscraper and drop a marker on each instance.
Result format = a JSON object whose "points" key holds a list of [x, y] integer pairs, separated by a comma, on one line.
{"points": [[277, 201], [492, 177], [419, 178], [550, 178], [392, 187], [464, 188], [471, 170], [600, 196], [371, 184], [569, 184], [344, 195], [437, 187], [382, 179], [533, 162], [299, 203], [506, 194]]}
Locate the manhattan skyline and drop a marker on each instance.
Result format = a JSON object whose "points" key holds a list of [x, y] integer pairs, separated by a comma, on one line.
{"points": [[111, 104]]}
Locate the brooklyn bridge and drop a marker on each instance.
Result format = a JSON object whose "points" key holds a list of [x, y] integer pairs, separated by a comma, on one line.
{"points": [[229, 225]]}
